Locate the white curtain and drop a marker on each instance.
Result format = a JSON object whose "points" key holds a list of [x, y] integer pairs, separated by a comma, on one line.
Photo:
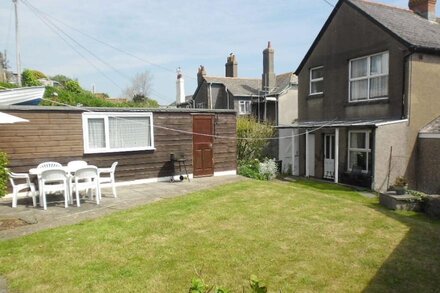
{"points": [[379, 64], [359, 68], [129, 132], [96, 133], [379, 86], [359, 90]]}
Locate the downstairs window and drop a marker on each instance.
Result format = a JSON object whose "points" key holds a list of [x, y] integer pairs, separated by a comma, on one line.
{"points": [[359, 150], [117, 132]]}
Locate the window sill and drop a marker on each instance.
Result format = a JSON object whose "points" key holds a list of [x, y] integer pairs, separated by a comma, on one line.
{"points": [[368, 102], [118, 151], [315, 96]]}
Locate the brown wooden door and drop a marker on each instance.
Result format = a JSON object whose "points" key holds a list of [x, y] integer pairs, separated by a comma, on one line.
{"points": [[202, 146]]}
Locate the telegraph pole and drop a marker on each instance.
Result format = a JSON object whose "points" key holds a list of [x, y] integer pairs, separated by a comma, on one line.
{"points": [[17, 44]]}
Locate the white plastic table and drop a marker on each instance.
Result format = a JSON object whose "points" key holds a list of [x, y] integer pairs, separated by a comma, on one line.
{"points": [[69, 172]]}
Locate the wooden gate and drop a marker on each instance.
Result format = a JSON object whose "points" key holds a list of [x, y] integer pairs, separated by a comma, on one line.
{"points": [[202, 145]]}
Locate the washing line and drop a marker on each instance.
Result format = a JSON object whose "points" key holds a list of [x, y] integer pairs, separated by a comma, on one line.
{"points": [[197, 133]]}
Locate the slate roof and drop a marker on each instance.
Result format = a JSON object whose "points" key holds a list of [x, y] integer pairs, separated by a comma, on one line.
{"points": [[237, 86], [432, 127], [252, 86], [414, 31]]}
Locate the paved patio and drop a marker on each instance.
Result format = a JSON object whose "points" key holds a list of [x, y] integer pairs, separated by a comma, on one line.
{"points": [[128, 197]]}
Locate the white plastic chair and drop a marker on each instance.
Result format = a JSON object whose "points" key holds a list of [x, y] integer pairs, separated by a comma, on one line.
{"points": [[53, 180], [17, 187], [47, 165], [110, 178], [87, 179], [74, 165]]}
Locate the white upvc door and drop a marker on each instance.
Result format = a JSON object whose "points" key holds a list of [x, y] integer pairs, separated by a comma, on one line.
{"points": [[329, 156]]}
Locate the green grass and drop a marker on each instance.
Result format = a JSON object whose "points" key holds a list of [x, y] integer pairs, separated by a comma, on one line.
{"points": [[302, 236]]}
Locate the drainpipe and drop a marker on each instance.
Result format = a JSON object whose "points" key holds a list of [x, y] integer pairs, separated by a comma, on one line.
{"points": [[210, 96], [408, 95]]}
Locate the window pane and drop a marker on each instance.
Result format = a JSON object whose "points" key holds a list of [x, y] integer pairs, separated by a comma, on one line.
{"points": [[96, 133], [129, 132], [333, 147], [358, 159], [317, 73], [317, 87], [359, 67], [327, 147], [241, 107], [379, 64], [379, 87], [359, 90], [248, 107], [357, 140]]}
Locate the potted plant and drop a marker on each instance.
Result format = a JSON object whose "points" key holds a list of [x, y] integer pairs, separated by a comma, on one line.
{"points": [[400, 185]]}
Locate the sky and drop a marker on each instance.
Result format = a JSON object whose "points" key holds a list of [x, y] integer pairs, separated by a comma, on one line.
{"points": [[160, 36]]}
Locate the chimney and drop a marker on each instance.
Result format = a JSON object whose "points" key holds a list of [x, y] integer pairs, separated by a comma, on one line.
{"points": [[201, 75], [180, 87], [231, 66], [424, 8], [269, 78]]}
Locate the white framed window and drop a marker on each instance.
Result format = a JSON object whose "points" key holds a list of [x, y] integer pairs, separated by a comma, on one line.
{"points": [[244, 107], [317, 80], [106, 132], [368, 77], [359, 150]]}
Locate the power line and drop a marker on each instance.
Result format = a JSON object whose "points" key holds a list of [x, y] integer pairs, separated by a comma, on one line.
{"points": [[108, 44], [72, 47], [41, 15]]}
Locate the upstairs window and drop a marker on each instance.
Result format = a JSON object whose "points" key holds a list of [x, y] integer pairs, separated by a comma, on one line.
{"points": [[369, 78], [317, 80], [244, 107], [117, 132]]}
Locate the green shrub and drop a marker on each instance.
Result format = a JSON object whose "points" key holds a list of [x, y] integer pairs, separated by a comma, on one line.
{"points": [[73, 87], [38, 74], [3, 173], [266, 170], [250, 169], [86, 99], [62, 79], [251, 139], [30, 77], [8, 85]]}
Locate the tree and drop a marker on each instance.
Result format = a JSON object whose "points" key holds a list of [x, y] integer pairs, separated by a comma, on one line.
{"points": [[30, 77], [140, 85], [62, 79]]}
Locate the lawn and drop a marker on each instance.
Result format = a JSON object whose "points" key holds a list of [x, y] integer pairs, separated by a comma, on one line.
{"points": [[301, 236]]}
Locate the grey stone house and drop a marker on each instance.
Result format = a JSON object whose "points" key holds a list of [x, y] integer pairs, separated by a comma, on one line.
{"points": [[271, 98], [368, 84]]}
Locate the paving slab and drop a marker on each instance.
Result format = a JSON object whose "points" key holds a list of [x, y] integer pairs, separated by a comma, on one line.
{"points": [[128, 197]]}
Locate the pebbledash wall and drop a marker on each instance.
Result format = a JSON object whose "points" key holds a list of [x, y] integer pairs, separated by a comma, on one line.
{"points": [[56, 134]]}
